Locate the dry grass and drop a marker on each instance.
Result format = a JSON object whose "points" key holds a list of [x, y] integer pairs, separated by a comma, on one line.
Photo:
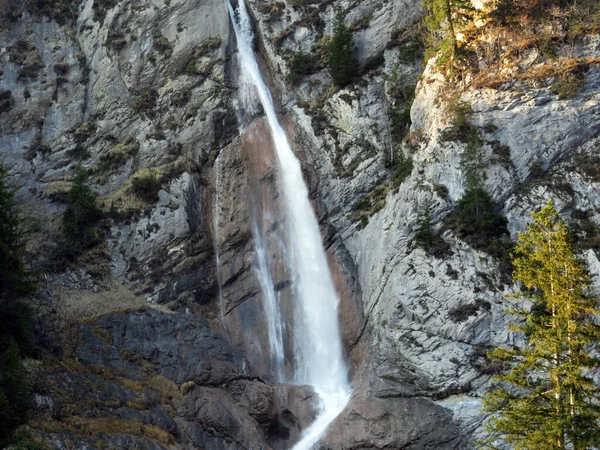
{"points": [[108, 425], [527, 41], [57, 190], [77, 305], [127, 203], [168, 390], [567, 70]]}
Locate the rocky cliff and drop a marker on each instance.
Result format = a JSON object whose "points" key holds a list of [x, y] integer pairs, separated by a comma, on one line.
{"points": [[157, 336]]}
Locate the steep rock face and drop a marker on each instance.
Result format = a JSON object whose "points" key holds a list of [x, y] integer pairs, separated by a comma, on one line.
{"points": [[429, 320], [162, 380], [415, 326], [130, 91]]}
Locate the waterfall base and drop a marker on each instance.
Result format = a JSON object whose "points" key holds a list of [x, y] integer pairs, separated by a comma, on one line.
{"points": [[331, 404]]}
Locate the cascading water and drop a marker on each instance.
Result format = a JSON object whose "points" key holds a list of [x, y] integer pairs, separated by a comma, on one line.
{"points": [[270, 305], [317, 344]]}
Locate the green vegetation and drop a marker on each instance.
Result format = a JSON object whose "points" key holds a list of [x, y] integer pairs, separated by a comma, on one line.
{"points": [[81, 217], [400, 112], [101, 8], [119, 154], [61, 11], [302, 64], [372, 202], [205, 49], [444, 17], [475, 218], [16, 281], [343, 64], [162, 45], [547, 399], [146, 102], [146, 187], [26, 55], [7, 101], [84, 131], [585, 232], [116, 39], [402, 169], [273, 9], [426, 238]]}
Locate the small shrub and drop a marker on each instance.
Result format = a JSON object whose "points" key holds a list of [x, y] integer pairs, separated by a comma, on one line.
{"points": [[371, 203], [25, 54], [116, 40], [146, 187], [302, 64], [411, 51], [567, 87], [588, 164], [37, 147], [362, 23], [205, 49], [273, 9], [84, 131], [79, 152], [162, 45], [373, 62], [146, 102], [536, 170], [585, 231], [426, 238], [117, 155], [464, 312], [403, 169], [7, 101], [61, 68], [501, 153], [441, 190]]}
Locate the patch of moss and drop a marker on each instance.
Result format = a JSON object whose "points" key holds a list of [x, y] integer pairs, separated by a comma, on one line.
{"points": [[84, 131], [162, 45], [146, 187], [272, 9], [371, 203], [146, 102], [116, 39], [25, 54], [117, 155], [302, 64]]}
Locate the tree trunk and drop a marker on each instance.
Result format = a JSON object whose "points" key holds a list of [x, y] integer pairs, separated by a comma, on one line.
{"points": [[452, 32]]}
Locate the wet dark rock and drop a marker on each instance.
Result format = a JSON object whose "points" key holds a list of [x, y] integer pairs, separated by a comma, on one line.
{"points": [[180, 347]]}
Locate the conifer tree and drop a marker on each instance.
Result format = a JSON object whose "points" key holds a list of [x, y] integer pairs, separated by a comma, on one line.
{"points": [[424, 236], [343, 64], [547, 400], [445, 16], [81, 214], [15, 280]]}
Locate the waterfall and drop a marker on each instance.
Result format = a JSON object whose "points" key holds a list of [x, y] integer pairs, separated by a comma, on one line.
{"points": [[270, 305], [317, 344]]}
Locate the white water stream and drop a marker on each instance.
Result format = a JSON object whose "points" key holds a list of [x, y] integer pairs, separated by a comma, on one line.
{"points": [[317, 344], [270, 305]]}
